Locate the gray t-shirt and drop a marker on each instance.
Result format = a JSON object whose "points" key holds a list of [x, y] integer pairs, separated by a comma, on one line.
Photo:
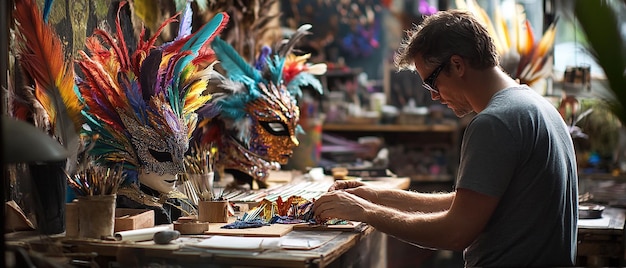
{"points": [[519, 149]]}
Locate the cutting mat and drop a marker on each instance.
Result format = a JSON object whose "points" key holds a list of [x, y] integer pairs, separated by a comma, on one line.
{"points": [[274, 230]]}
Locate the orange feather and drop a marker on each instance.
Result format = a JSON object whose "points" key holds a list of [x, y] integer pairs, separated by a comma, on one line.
{"points": [[42, 57]]}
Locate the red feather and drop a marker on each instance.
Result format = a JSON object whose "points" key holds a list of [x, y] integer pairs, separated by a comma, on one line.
{"points": [[121, 49], [211, 131], [143, 48]]}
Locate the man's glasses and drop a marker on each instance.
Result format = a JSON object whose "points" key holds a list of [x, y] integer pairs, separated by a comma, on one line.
{"points": [[429, 82]]}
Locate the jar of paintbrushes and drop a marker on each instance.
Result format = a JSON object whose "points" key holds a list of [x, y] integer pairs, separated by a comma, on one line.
{"points": [[198, 184], [95, 187]]}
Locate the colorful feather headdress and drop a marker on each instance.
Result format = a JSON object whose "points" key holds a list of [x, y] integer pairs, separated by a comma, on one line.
{"points": [[143, 104], [254, 116]]}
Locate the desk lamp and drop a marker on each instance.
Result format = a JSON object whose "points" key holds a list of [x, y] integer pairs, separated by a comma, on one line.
{"points": [[24, 143]]}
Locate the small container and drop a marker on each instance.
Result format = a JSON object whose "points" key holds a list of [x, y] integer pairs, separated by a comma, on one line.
{"points": [[213, 211], [189, 228], [96, 216], [590, 211]]}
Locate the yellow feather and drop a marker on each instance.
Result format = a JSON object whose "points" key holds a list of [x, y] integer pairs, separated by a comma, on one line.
{"points": [[502, 29], [483, 17], [546, 42], [194, 100]]}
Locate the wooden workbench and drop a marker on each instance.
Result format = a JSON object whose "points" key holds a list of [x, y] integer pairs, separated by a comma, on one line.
{"points": [[330, 254], [601, 241], [358, 247]]}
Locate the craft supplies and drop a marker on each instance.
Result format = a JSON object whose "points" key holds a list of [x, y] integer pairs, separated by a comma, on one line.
{"points": [[90, 178], [96, 216], [197, 182], [141, 234]]}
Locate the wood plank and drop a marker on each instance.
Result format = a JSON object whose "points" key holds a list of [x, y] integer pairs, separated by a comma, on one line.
{"points": [[274, 230]]}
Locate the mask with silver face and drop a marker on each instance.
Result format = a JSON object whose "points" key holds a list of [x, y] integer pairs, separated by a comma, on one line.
{"points": [[160, 146], [143, 104]]}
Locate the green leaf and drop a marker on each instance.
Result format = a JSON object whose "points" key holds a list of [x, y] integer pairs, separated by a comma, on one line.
{"points": [[601, 27]]}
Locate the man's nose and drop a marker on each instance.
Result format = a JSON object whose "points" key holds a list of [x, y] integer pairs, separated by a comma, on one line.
{"points": [[434, 95]]}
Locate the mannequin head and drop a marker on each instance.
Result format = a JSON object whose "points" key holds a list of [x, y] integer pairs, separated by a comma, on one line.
{"points": [[164, 183]]}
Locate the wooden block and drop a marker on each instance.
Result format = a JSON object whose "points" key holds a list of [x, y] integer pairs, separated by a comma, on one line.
{"points": [[71, 219], [133, 219], [15, 220], [213, 211]]}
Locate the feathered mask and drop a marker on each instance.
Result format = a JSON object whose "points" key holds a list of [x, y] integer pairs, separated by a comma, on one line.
{"points": [[143, 105], [254, 116]]}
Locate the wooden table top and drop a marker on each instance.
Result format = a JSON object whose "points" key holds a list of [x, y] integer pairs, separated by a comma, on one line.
{"points": [[137, 253]]}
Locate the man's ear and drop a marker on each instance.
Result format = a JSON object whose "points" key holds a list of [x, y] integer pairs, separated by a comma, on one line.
{"points": [[458, 65]]}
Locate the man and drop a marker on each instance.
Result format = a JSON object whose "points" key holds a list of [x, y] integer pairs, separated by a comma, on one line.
{"points": [[516, 196]]}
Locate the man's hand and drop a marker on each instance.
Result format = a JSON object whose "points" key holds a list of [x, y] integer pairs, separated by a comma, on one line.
{"points": [[340, 185], [342, 205]]}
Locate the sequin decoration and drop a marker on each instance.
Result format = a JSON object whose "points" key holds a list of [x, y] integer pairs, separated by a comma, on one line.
{"points": [[275, 118]]}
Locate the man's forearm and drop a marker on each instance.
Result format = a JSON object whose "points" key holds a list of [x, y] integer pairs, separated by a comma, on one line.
{"points": [[411, 201], [422, 229]]}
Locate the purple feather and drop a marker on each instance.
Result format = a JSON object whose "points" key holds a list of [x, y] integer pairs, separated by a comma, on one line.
{"points": [[184, 28], [172, 120], [149, 73], [260, 62], [137, 102], [104, 106], [210, 110]]}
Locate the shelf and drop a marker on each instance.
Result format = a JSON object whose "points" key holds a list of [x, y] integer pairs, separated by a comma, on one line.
{"points": [[389, 128]]}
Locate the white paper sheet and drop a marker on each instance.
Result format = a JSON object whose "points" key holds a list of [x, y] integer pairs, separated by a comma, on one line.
{"points": [[595, 223], [306, 240], [240, 243], [141, 234]]}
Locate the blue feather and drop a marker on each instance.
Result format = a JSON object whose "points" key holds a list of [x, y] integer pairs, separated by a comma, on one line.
{"points": [[275, 65], [196, 42], [137, 102], [46, 10], [232, 107], [205, 33], [91, 121], [235, 66], [303, 79], [77, 92]]}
